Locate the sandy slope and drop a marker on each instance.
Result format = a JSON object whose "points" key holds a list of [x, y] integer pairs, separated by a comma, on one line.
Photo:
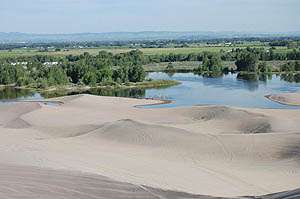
{"points": [[19, 182], [207, 150], [32, 182], [286, 98]]}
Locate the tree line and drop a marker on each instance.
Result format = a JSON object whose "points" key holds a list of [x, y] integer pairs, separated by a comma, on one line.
{"points": [[102, 69], [42, 71], [247, 60], [262, 54]]}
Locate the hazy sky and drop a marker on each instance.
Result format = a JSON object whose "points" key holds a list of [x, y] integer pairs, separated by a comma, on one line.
{"points": [[69, 16]]}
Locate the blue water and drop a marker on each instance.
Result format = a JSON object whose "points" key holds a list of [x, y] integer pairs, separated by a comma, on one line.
{"points": [[223, 90], [193, 90]]}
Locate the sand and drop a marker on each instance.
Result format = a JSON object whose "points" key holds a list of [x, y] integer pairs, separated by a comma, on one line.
{"points": [[286, 98], [200, 150]]}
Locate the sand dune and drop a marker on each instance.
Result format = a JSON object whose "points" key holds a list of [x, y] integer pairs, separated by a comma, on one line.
{"points": [[132, 132], [19, 182], [201, 150], [11, 113], [240, 121], [31, 182]]}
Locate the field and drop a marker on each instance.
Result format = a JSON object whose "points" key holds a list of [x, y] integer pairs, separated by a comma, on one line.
{"points": [[116, 50]]}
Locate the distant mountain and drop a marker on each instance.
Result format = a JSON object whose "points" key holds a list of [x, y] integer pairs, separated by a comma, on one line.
{"points": [[16, 37]]}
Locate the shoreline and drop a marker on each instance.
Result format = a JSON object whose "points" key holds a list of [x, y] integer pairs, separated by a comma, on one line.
{"points": [[290, 99], [74, 88]]}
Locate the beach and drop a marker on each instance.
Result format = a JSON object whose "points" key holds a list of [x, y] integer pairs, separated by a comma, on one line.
{"points": [[200, 151]]}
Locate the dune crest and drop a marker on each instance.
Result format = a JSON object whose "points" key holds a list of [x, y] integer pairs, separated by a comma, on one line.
{"points": [[239, 121], [133, 132], [17, 123]]}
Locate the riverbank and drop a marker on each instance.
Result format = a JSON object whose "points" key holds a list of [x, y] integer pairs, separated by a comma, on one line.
{"points": [[190, 66], [204, 150], [81, 88], [292, 99]]}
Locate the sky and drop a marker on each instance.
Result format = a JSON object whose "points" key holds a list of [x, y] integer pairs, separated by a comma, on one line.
{"points": [[77, 16]]}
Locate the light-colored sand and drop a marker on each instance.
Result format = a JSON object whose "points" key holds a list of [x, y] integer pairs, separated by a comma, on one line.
{"points": [[286, 98], [19, 182], [206, 150]]}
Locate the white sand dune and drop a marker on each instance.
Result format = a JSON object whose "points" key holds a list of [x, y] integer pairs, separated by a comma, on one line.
{"points": [[10, 114], [31, 182], [233, 120], [202, 150], [21, 182]]}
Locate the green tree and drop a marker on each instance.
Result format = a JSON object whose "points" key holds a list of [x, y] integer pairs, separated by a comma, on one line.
{"points": [[170, 66], [89, 78], [120, 75], [215, 63], [136, 74], [104, 74], [264, 68], [212, 63], [297, 65], [247, 61], [57, 76], [7, 74], [288, 67]]}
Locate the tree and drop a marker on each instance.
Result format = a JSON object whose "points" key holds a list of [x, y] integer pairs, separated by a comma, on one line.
{"points": [[215, 63], [297, 65], [104, 74], [170, 66], [288, 67], [7, 74], [57, 76], [247, 61], [136, 74], [264, 68], [211, 63], [89, 78], [120, 75]]}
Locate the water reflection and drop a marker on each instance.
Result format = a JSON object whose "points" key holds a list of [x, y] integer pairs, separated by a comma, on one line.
{"points": [[10, 93], [245, 90], [289, 77], [132, 92]]}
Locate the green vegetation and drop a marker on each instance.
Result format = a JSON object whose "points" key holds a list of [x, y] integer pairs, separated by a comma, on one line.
{"points": [[212, 63], [59, 66], [170, 67], [292, 66], [85, 69], [263, 67], [247, 61]]}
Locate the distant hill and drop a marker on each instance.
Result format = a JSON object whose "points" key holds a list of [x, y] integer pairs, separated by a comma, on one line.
{"points": [[16, 37]]}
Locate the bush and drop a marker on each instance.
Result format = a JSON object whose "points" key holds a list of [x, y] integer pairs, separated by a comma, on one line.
{"points": [[264, 68]]}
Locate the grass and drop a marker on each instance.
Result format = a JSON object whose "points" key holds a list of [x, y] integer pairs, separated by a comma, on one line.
{"points": [[76, 88], [156, 84]]}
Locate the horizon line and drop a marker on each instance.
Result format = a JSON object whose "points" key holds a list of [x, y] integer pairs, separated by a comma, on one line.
{"points": [[158, 31]]}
